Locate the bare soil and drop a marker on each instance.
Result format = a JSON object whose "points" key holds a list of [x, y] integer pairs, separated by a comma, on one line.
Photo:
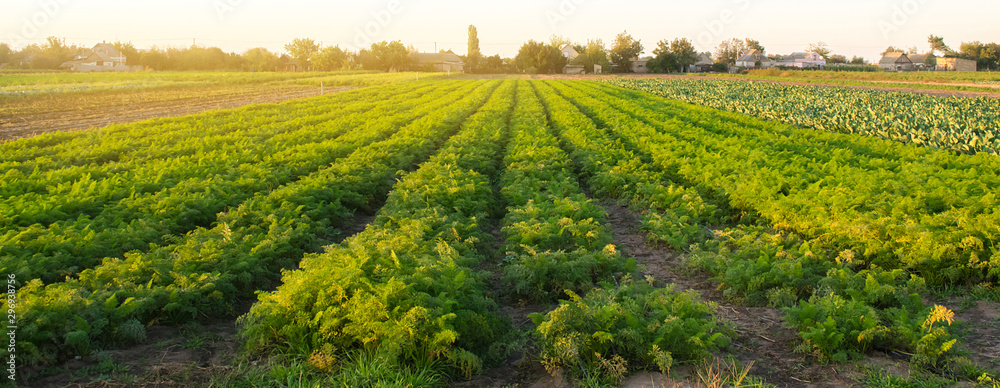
{"points": [[979, 326], [32, 124]]}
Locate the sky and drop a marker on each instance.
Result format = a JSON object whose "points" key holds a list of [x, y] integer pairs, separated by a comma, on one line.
{"points": [[848, 27]]}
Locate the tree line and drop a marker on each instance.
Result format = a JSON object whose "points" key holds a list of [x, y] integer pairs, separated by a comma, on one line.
{"points": [[533, 56]]}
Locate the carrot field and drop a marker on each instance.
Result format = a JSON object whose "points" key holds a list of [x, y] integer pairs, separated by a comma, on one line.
{"points": [[444, 232]]}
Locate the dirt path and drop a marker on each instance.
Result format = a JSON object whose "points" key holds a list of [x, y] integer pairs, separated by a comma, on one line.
{"points": [[931, 92], [31, 125]]}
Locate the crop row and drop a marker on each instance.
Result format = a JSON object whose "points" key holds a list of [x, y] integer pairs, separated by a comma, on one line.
{"points": [[966, 125], [556, 238], [209, 270], [557, 243], [133, 223], [830, 291], [405, 288], [169, 137], [930, 212]]}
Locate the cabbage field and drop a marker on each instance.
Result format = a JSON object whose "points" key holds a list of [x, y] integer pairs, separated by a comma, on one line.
{"points": [[478, 196], [966, 125]]}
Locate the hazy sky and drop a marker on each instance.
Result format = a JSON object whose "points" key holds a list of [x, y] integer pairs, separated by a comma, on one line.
{"points": [[849, 27]]}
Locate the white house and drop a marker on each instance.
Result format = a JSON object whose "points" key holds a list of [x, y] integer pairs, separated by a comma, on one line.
{"points": [[751, 59], [103, 57], [803, 60]]}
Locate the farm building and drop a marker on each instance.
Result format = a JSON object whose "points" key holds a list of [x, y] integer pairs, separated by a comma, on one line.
{"points": [[103, 57], [574, 69], [439, 62], [802, 60], [956, 64], [922, 61], [704, 64], [752, 59], [896, 61], [638, 65]]}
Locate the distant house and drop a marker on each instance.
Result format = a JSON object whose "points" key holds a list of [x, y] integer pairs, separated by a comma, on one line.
{"points": [[289, 64], [703, 65], [638, 65], [103, 57], [956, 64], [896, 61], [569, 52], [752, 59], [803, 60], [439, 62]]}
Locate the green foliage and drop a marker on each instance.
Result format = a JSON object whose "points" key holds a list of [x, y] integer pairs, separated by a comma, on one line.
{"points": [[642, 326], [883, 379], [151, 195], [906, 207], [834, 328], [404, 290], [555, 238], [966, 125], [839, 297], [539, 58], [207, 271], [131, 332]]}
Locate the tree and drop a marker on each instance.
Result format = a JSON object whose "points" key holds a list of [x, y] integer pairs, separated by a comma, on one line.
{"points": [[128, 50], [558, 41], [914, 50], [684, 53], [154, 58], [856, 60], [390, 55], [541, 58], [820, 48], [751, 44], [260, 59], [53, 54], [730, 50], [624, 50], [301, 50], [494, 65], [837, 59], [329, 58], [892, 49], [987, 55], [5, 53], [663, 60], [937, 44], [592, 54], [475, 55], [366, 60]]}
